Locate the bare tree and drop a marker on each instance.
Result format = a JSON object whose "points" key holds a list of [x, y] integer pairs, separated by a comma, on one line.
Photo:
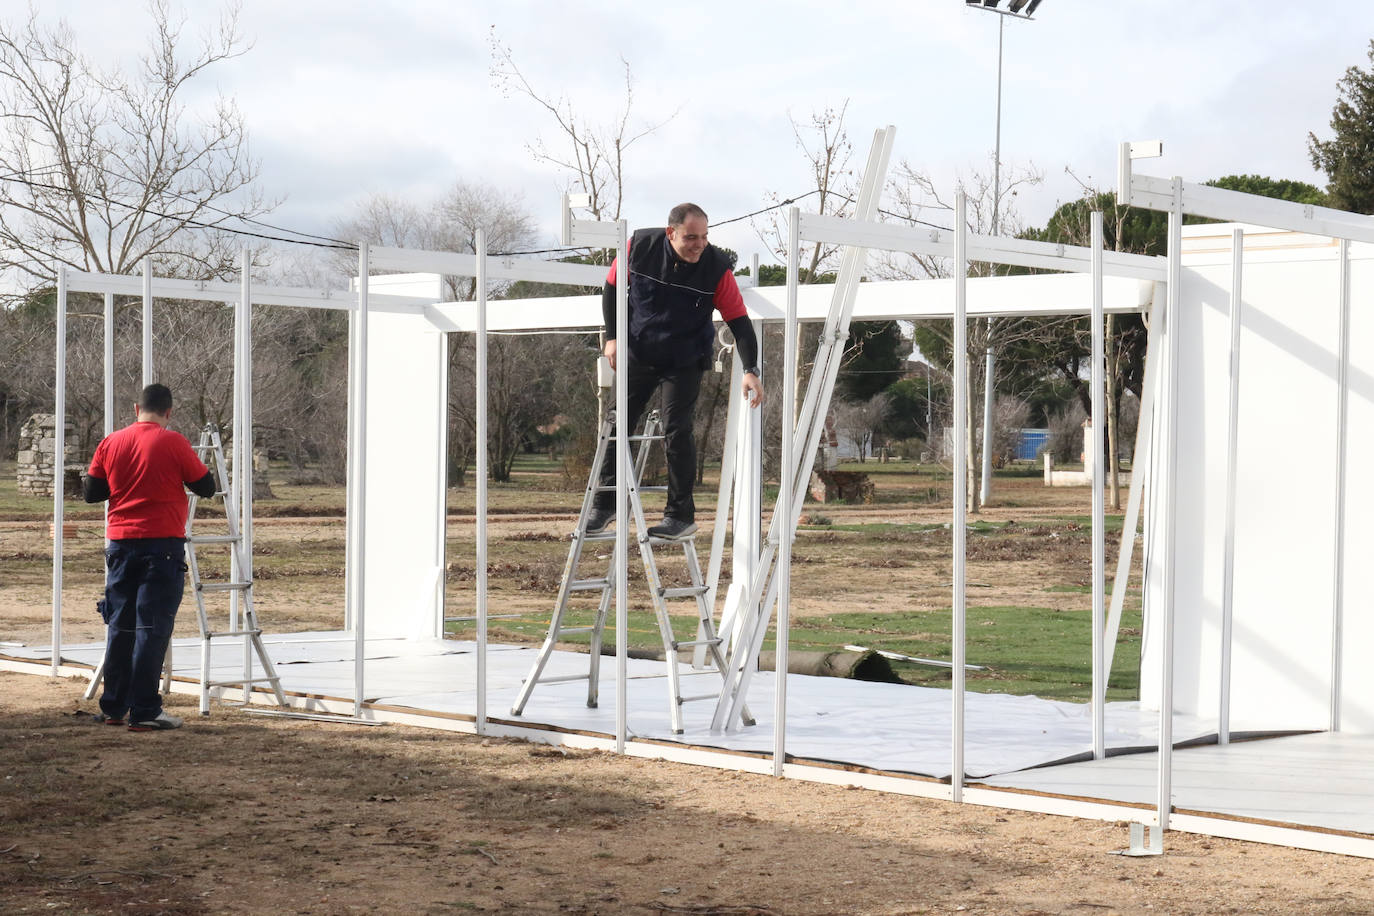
{"points": [[592, 151], [859, 421], [103, 168], [917, 199]]}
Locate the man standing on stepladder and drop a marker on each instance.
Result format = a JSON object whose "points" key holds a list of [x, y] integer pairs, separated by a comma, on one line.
{"points": [[141, 470], [677, 279]]}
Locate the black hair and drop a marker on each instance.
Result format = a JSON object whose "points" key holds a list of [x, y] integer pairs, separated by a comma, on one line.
{"points": [[155, 399], [680, 214]]}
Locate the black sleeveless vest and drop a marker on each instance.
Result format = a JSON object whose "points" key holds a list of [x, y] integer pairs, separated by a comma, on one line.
{"points": [[672, 303]]}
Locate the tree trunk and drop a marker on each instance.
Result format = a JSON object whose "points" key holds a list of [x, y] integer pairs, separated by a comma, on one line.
{"points": [[971, 471]]}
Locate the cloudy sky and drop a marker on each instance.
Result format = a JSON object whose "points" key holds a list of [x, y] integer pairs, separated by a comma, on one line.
{"points": [[346, 99]]}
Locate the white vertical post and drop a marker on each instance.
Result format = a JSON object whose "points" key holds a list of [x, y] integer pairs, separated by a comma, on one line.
{"points": [[359, 507], [989, 373], [785, 484], [59, 466], [233, 499], [481, 511], [109, 363], [245, 507], [1228, 575], [147, 322], [1338, 571], [959, 521], [1099, 548], [1170, 454], [622, 477]]}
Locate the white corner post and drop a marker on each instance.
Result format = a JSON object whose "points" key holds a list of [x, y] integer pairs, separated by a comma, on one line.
{"points": [[622, 478], [786, 481], [1342, 435], [480, 518], [1099, 550], [1228, 574], [959, 521], [358, 485], [59, 466], [147, 322], [245, 455], [1170, 456]]}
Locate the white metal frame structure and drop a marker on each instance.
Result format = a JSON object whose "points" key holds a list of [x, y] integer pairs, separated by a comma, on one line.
{"points": [[1103, 282]]}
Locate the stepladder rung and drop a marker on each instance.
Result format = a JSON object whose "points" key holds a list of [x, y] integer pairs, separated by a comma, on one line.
{"points": [[649, 489], [565, 630], [589, 585], [215, 538], [699, 697], [564, 678], [599, 536], [242, 681], [223, 586], [219, 633], [654, 437], [687, 591], [693, 643]]}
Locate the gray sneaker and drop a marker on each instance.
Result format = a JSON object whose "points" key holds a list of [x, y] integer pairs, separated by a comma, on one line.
{"points": [[163, 722], [598, 520], [673, 529]]}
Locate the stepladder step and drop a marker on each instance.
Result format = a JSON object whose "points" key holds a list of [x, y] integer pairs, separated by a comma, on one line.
{"points": [[689, 591], [223, 586]]}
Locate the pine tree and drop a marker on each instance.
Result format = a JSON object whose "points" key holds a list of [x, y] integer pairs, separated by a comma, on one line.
{"points": [[1348, 157]]}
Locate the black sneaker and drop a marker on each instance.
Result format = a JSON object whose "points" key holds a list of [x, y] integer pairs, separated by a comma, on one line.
{"points": [[673, 529], [598, 520], [162, 722]]}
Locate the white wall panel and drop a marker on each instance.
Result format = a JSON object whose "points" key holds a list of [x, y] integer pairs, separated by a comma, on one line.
{"points": [[1286, 478], [406, 402]]}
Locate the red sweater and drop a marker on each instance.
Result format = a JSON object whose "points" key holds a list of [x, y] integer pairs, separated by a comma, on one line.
{"points": [[146, 467]]}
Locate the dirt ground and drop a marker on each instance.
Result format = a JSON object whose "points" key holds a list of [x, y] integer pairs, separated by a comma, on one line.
{"points": [[245, 814], [238, 813]]}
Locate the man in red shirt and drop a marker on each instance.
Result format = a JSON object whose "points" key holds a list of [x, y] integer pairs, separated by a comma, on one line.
{"points": [[677, 281], [141, 470]]}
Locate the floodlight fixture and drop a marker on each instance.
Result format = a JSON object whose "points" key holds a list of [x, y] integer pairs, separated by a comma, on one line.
{"points": [[1018, 9]]}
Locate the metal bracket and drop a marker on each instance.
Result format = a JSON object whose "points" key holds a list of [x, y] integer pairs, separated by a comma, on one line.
{"points": [[1140, 846]]}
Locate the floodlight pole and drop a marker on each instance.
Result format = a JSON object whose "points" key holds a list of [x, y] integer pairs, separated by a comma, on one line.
{"points": [[985, 485]]}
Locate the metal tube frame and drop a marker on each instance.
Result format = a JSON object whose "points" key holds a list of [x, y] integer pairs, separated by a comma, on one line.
{"points": [[480, 519], [358, 510], [1228, 574], [1338, 547], [1099, 550], [785, 533], [59, 466], [959, 519]]}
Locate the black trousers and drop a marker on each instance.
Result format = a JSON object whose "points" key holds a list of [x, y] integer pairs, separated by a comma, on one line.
{"points": [[143, 587], [681, 385]]}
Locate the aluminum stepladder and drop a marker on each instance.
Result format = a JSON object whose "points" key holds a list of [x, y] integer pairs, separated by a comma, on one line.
{"points": [[243, 620], [698, 591]]}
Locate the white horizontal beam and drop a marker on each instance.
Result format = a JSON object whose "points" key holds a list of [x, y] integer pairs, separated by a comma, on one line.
{"points": [[1154, 193], [1041, 295], [453, 264], [994, 249], [215, 291]]}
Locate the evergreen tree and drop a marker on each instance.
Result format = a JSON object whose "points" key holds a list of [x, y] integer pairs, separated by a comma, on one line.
{"points": [[1348, 157]]}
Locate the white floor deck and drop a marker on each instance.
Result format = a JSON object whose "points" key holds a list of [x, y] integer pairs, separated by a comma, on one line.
{"points": [[1322, 781]]}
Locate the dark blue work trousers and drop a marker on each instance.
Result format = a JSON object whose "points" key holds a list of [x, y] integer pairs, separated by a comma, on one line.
{"points": [[681, 386], [144, 580]]}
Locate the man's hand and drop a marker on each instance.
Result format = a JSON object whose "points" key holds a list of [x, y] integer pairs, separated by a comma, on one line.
{"points": [[609, 351], [752, 389]]}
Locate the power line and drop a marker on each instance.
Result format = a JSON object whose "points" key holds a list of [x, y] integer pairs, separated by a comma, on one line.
{"points": [[183, 220]]}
